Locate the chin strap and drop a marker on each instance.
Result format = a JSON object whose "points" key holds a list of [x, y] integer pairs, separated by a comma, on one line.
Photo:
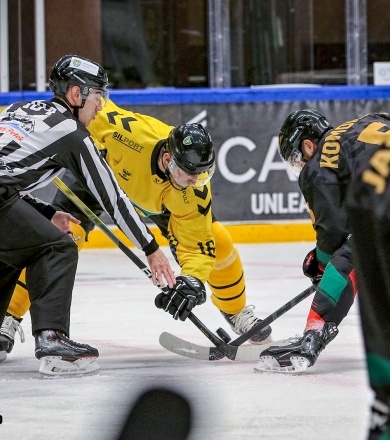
{"points": [[76, 112]]}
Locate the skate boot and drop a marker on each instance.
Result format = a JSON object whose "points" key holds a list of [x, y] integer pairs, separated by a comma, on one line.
{"points": [[7, 335], [379, 421], [245, 320], [61, 356], [299, 353]]}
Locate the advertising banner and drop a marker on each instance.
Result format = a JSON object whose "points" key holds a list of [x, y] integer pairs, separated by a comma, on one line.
{"points": [[251, 183]]}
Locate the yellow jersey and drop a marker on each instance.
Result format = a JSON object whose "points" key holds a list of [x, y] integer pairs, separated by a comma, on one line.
{"points": [[132, 142]]}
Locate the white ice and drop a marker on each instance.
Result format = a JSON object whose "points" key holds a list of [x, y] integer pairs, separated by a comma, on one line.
{"points": [[113, 310]]}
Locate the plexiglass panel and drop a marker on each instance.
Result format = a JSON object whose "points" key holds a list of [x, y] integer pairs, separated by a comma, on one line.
{"points": [[205, 43]]}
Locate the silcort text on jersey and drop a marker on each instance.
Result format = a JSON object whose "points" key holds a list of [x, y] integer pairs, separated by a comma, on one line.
{"points": [[128, 142]]}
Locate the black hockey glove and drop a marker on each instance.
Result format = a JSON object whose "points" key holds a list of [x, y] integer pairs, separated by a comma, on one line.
{"points": [[312, 268], [185, 295]]}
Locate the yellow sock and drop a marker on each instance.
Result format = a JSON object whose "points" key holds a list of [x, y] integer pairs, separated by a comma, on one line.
{"points": [[20, 302], [227, 281]]}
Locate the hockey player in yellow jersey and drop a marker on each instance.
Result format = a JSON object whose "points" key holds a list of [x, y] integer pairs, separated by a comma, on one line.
{"points": [[166, 172]]}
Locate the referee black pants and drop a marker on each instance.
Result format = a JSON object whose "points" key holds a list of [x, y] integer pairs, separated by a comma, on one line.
{"points": [[29, 240]]}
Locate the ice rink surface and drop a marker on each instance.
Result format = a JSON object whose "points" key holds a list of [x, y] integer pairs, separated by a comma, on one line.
{"points": [[113, 310]]}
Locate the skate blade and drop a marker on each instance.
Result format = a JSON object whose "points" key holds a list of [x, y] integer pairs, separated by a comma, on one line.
{"points": [[269, 364], [52, 367]]}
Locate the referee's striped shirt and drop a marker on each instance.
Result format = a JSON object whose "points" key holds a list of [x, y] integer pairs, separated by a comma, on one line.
{"points": [[39, 139]]}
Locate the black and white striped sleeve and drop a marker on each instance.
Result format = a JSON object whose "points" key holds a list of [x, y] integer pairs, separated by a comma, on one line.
{"points": [[101, 181]]}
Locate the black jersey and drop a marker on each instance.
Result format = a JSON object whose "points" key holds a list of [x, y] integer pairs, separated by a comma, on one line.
{"points": [[326, 176], [39, 139]]}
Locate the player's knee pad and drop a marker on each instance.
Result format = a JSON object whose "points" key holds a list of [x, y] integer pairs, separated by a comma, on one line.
{"points": [[223, 243]]}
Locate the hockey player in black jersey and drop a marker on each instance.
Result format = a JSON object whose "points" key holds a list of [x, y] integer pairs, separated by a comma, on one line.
{"points": [[38, 140], [344, 176], [323, 158]]}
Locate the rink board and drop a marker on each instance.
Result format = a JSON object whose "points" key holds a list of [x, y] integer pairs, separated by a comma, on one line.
{"points": [[246, 233]]}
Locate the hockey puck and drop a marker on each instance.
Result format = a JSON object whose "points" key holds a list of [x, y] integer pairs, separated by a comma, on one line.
{"points": [[223, 335]]}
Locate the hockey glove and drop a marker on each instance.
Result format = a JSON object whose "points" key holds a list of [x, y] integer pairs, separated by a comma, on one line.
{"points": [[312, 268], [185, 295]]}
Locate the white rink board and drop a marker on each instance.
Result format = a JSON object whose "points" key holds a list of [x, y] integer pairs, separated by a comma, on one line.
{"points": [[113, 310]]}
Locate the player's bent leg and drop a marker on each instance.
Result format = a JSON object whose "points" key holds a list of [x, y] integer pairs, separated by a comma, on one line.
{"points": [[227, 284], [332, 301], [336, 291]]}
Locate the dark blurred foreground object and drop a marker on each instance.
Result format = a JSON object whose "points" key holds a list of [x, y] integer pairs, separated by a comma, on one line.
{"points": [[158, 414]]}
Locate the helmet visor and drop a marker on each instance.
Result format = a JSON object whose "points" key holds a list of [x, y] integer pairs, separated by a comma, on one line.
{"points": [[204, 177], [185, 179], [96, 95], [295, 162]]}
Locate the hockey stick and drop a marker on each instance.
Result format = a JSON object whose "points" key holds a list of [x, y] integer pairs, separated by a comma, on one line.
{"points": [[137, 261], [221, 348], [100, 224], [234, 351]]}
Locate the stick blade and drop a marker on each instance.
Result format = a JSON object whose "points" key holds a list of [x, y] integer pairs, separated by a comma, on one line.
{"points": [[188, 349], [244, 353]]}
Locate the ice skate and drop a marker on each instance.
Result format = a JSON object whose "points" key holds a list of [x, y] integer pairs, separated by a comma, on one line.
{"points": [[7, 335], [299, 354], [245, 320], [62, 357]]}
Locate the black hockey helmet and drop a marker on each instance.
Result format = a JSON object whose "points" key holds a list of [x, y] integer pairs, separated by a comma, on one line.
{"points": [[192, 151], [192, 148], [300, 125], [80, 71]]}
